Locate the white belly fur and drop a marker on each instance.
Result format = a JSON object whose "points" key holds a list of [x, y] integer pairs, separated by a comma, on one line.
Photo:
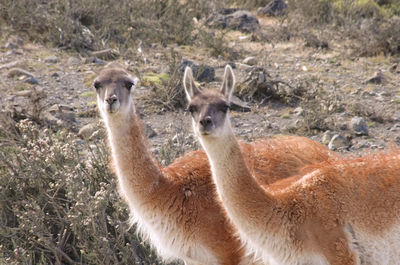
{"points": [[383, 249]]}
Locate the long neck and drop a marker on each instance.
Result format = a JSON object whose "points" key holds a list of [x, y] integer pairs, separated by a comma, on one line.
{"points": [[138, 172], [244, 200]]}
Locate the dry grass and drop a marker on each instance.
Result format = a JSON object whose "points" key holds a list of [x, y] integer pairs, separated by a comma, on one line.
{"points": [[59, 202]]}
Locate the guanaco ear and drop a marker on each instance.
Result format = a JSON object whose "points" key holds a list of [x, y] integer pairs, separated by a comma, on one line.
{"points": [[188, 83], [229, 82]]}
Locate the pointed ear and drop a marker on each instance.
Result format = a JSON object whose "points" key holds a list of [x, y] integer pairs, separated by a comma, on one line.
{"points": [[190, 88], [229, 82]]}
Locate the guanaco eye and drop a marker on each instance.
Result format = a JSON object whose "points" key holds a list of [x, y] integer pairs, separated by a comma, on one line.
{"points": [[224, 108], [128, 84], [97, 85], [192, 109]]}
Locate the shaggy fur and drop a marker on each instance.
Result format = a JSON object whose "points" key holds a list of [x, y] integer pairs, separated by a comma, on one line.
{"points": [[177, 208], [345, 211]]}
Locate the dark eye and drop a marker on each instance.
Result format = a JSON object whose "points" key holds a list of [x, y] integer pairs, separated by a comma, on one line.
{"points": [[224, 108], [192, 109], [97, 85], [128, 84]]}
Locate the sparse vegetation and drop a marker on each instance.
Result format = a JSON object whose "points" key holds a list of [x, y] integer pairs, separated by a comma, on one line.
{"points": [[60, 203], [166, 92], [58, 199]]}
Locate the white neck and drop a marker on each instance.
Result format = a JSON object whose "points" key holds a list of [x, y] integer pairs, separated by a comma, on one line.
{"points": [[236, 186], [138, 171]]}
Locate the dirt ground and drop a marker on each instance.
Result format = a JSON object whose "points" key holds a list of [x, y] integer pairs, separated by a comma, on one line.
{"points": [[62, 82]]}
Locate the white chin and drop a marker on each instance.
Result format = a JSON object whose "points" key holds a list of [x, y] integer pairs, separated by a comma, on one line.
{"points": [[111, 110], [206, 133]]}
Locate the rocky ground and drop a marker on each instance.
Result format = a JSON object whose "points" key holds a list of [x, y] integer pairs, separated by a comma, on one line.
{"points": [[351, 104]]}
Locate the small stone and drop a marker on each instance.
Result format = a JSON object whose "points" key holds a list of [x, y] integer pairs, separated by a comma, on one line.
{"points": [[378, 78], [98, 61], [202, 73], [73, 61], [55, 74], [250, 61], [338, 142], [32, 80], [150, 133], [79, 142], [94, 60], [359, 126], [327, 137], [52, 59], [87, 130], [233, 18]]}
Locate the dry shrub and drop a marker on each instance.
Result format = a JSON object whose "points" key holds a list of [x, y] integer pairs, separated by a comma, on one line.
{"points": [[169, 94], [260, 86], [319, 105], [59, 203], [371, 25], [94, 24], [216, 42], [378, 37]]}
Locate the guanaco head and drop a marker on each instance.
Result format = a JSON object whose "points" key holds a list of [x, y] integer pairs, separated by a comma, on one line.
{"points": [[209, 109], [113, 87]]}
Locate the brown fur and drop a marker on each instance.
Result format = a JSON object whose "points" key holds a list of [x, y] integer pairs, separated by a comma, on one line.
{"points": [[183, 192], [316, 211]]}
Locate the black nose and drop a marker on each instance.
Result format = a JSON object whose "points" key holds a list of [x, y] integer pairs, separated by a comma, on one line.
{"points": [[111, 99], [206, 122]]}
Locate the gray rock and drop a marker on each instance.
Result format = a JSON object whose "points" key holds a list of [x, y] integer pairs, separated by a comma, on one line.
{"points": [[202, 73], [73, 61], [94, 60], [338, 142], [250, 61], [86, 131], [233, 18], [79, 142], [52, 59], [359, 126], [274, 8], [32, 80], [55, 75], [378, 78]]}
